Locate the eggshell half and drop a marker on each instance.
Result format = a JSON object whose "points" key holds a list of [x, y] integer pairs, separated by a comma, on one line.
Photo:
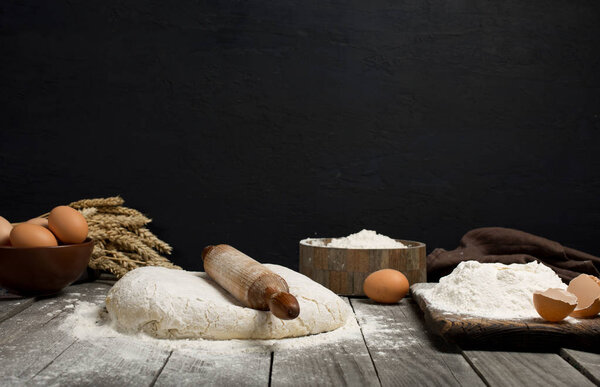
{"points": [[5, 229], [587, 290], [68, 224], [386, 286], [554, 304]]}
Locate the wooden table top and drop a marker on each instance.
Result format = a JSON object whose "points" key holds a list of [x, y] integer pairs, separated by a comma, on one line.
{"points": [[396, 351]]}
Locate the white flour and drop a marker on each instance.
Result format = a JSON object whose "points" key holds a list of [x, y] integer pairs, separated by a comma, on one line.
{"points": [[492, 290], [90, 322], [388, 331], [365, 239]]}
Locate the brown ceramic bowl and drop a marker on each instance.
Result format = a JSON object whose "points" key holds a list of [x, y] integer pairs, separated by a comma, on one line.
{"points": [[37, 271]]}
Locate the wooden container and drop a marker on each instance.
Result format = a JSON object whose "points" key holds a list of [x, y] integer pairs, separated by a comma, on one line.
{"points": [[344, 270]]}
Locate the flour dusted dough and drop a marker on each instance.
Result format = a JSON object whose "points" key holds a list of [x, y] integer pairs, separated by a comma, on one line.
{"points": [[167, 303]]}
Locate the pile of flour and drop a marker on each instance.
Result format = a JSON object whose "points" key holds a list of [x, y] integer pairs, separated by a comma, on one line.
{"points": [[365, 239], [492, 290]]}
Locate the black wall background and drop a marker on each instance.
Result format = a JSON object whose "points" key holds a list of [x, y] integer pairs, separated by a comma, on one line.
{"points": [[262, 123]]}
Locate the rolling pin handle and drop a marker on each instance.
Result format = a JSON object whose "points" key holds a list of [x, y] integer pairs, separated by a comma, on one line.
{"points": [[283, 305], [206, 250]]}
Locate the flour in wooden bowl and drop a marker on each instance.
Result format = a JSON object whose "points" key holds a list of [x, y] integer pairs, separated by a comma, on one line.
{"points": [[364, 239]]}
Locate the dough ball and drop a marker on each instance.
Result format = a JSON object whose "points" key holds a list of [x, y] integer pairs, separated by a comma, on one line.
{"points": [[168, 303]]}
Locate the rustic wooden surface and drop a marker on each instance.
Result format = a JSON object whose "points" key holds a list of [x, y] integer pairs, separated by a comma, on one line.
{"points": [[393, 348], [344, 270], [190, 368], [403, 354], [10, 306], [587, 363], [525, 369], [474, 332], [347, 362]]}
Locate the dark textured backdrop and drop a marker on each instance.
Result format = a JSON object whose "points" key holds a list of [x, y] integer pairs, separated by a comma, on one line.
{"points": [[261, 123]]}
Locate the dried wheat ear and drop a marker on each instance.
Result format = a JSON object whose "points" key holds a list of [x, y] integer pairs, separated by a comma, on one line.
{"points": [[123, 240]]}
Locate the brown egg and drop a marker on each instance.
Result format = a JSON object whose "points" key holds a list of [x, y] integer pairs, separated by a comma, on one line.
{"points": [[386, 286], [587, 289], [5, 229], [68, 224], [39, 221], [31, 235], [554, 304]]}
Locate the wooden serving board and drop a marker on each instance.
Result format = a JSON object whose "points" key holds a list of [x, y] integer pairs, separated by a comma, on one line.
{"points": [[534, 334]]}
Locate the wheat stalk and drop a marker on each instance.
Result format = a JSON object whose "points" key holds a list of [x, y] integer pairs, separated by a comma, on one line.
{"points": [[88, 212], [119, 210], [101, 202], [114, 221], [152, 241], [122, 240]]}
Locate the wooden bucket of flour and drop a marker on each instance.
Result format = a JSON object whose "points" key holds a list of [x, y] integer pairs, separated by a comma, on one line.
{"points": [[344, 270]]}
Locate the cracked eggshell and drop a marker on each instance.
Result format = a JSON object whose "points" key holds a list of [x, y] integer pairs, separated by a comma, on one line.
{"points": [[387, 286], [587, 289], [554, 304]]}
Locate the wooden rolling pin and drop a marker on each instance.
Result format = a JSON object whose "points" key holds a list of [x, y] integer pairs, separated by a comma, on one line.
{"points": [[249, 282]]}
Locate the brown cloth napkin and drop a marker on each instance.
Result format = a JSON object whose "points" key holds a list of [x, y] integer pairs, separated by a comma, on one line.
{"points": [[506, 245]]}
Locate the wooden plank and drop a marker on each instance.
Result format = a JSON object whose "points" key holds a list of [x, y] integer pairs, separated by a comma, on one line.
{"points": [[193, 368], [450, 354], [46, 309], [404, 353], [53, 356], [33, 338], [25, 356], [11, 306], [481, 333], [587, 363], [346, 362], [105, 362], [525, 369]]}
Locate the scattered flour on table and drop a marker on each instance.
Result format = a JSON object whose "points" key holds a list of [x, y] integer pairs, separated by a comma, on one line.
{"points": [[492, 290], [365, 239], [388, 332], [175, 309], [91, 322]]}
